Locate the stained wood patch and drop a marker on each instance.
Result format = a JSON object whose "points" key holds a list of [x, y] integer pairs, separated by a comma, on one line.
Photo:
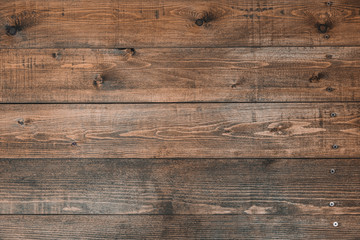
{"points": [[180, 130], [178, 227], [180, 75], [216, 23], [184, 186]]}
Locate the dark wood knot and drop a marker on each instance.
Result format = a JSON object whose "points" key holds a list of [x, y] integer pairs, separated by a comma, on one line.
{"points": [[21, 122], [316, 77], [199, 22], [323, 28], [11, 30]]}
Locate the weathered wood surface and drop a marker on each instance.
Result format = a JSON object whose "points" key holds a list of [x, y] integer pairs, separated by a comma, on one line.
{"points": [[172, 23], [180, 130], [180, 186], [179, 227], [180, 75]]}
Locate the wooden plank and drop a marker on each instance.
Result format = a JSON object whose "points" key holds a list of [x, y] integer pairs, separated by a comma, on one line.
{"points": [[178, 227], [180, 186], [180, 130], [180, 75], [172, 23]]}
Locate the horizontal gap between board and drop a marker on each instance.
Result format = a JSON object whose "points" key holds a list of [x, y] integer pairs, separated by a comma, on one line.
{"points": [[137, 47], [153, 159], [142, 103], [154, 214]]}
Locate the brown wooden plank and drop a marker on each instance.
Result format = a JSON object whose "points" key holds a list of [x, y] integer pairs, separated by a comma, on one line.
{"points": [[185, 75], [172, 23], [178, 227], [180, 130], [180, 186]]}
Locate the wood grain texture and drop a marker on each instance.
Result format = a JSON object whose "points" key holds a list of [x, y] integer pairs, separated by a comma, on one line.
{"points": [[178, 227], [180, 186], [172, 23], [180, 75], [180, 130]]}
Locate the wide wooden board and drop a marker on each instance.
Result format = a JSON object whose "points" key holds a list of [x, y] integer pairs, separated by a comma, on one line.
{"points": [[180, 186], [173, 23], [291, 74], [312, 130], [178, 227]]}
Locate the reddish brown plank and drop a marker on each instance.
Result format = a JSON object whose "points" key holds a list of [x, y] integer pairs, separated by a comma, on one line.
{"points": [[180, 130], [180, 75], [180, 186], [172, 23]]}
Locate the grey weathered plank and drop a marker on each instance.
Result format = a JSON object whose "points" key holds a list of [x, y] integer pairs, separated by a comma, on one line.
{"points": [[178, 227], [180, 186]]}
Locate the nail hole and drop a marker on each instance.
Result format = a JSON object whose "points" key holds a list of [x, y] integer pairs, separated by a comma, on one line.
{"points": [[327, 36], [329, 3], [333, 114], [335, 146], [332, 171], [74, 144], [331, 204], [199, 22], [335, 224], [330, 89]]}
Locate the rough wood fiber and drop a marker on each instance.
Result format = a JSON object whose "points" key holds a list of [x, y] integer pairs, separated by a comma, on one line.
{"points": [[180, 130], [185, 75], [172, 23], [178, 227], [185, 186]]}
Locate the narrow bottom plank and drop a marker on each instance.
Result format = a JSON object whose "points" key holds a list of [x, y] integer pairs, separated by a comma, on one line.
{"points": [[177, 227]]}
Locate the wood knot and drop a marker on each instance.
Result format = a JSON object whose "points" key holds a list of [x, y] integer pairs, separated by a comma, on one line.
{"points": [[57, 56], [199, 22], [322, 28], [126, 51], [281, 128], [20, 21], [21, 122], [11, 30], [98, 82], [207, 17], [316, 77]]}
